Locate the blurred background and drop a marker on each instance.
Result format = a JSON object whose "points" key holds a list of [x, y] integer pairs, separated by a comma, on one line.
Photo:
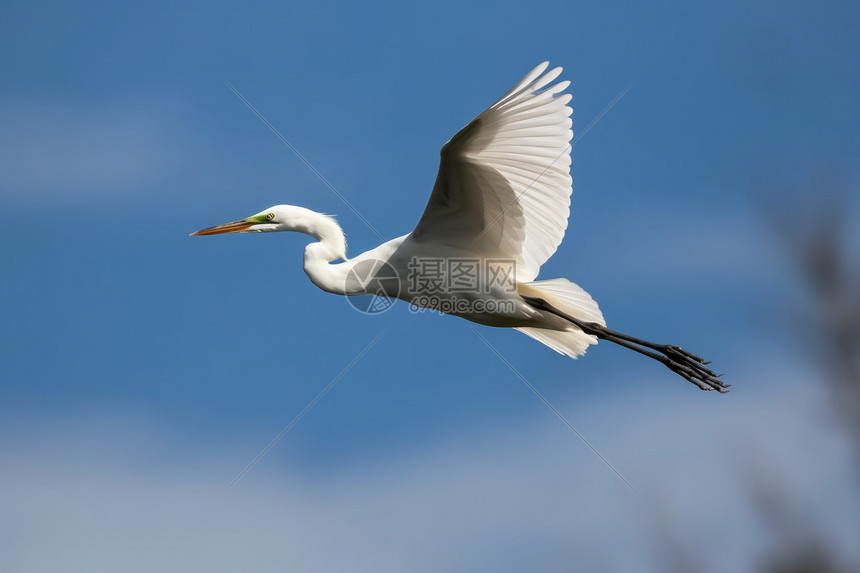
{"points": [[715, 206]]}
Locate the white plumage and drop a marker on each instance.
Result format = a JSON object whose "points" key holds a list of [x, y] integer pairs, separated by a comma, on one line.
{"points": [[504, 184], [502, 193]]}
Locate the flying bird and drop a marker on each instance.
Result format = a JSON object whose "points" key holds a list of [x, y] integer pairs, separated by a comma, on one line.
{"points": [[497, 212]]}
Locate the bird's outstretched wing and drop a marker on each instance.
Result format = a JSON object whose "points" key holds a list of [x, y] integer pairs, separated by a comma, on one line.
{"points": [[503, 188]]}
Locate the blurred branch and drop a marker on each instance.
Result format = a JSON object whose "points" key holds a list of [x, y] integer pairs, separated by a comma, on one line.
{"points": [[805, 559], [814, 234], [797, 546]]}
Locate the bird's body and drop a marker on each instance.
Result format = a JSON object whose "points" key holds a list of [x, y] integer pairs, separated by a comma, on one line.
{"points": [[498, 211], [369, 274]]}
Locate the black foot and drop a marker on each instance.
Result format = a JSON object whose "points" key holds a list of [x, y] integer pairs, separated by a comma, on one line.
{"points": [[685, 364], [692, 368]]}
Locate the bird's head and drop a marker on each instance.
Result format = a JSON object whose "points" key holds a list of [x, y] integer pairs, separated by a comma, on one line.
{"points": [[275, 218], [288, 218]]}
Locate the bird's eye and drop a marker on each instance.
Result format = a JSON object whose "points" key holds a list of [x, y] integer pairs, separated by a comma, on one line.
{"points": [[270, 216]]}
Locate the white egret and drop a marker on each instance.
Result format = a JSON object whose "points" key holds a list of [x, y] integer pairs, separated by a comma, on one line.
{"points": [[497, 212]]}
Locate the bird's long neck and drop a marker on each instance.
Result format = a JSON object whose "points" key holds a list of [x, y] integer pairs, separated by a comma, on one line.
{"points": [[318, 256]]}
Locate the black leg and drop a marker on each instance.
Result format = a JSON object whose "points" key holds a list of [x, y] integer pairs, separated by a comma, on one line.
{"points": [[685, 364]]}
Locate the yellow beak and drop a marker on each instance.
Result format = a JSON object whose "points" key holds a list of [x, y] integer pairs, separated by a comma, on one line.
{"points": [[234, 227]]}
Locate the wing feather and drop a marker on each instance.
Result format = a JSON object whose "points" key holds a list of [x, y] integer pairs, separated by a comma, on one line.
{"points": [[503, 188]]}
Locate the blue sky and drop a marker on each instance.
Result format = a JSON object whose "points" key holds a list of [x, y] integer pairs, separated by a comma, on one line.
{"points": [[168, 362]]}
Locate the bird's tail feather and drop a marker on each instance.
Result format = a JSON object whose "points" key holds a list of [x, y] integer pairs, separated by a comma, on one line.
{"points": [[570, 299]]}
